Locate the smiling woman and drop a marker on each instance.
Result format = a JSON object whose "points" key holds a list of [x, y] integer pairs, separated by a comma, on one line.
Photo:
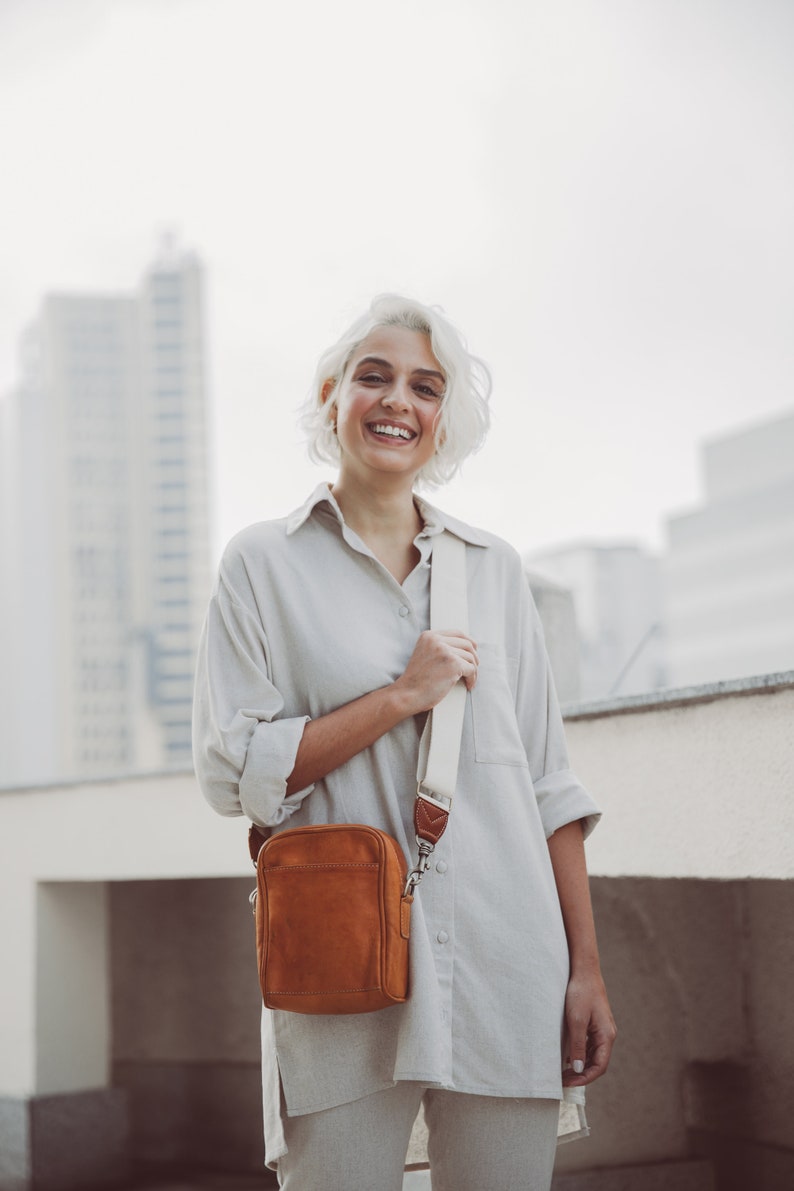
{"points": [[388, 402], [456, 380], [316, 665]]}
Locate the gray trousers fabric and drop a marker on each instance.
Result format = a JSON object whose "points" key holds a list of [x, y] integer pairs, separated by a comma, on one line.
{"points": [[475, 1143]]}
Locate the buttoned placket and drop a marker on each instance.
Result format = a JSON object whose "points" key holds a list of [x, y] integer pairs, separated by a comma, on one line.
{"points": [[436, 893]]}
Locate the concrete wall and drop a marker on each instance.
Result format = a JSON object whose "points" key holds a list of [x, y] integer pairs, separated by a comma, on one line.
{"points": [[693, 783], [150, 1039], [698, 973], [186, 1009]]}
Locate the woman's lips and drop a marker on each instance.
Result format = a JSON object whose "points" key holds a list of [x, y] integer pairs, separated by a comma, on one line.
{"points": [[391, 432]]}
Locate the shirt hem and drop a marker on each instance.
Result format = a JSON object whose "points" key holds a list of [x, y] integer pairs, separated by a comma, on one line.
{"points": [[430, 1081], [521, 1093], [335, 1102]]}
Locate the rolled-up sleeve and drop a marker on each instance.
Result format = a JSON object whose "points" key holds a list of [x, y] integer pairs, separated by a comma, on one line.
{"points": [[243, 750], [560, 795]]}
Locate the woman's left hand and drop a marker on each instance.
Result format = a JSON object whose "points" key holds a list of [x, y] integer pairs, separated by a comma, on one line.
{"points": [[590, 1030]]}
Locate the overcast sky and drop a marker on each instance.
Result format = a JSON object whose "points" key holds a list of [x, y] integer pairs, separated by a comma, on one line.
{"points": [[599, 192]]}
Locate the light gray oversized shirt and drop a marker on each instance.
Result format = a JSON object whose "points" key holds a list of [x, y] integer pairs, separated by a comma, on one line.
{"points": [[304, 619]]}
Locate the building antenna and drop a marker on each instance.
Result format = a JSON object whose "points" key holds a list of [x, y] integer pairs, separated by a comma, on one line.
{"points": [[655, 627]]}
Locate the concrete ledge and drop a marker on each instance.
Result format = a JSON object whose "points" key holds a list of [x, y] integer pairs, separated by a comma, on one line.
{"points": [[62, 1142], [15, 1161], [662, 1176], [707, 692], [741, 1164]]}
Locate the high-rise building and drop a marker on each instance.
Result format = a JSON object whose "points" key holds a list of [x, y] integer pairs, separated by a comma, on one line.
{"points": [[729, 573], [104, 531], [557, 613], [617, 600]]}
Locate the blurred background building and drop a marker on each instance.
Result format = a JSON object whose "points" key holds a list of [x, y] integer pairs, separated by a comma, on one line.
{"points": [[557, 611], [729, 569], [718, 604], [617, 600], [104, 530]]}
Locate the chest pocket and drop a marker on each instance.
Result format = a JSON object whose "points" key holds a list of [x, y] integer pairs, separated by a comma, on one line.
{"points": [[497, 740]]}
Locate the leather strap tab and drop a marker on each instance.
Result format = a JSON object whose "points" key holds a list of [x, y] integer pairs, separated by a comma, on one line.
{"points": [[430, 820], [405, 916], [256, 839]]}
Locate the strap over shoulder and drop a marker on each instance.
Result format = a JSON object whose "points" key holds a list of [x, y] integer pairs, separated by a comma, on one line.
{"points": [[439, 748]]}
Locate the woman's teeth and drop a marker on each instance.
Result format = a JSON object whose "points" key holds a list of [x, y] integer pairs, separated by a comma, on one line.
{"points": [[392, 431]]}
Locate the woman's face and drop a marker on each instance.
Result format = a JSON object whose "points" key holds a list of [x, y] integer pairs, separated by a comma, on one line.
{"points": [[388, 403]]}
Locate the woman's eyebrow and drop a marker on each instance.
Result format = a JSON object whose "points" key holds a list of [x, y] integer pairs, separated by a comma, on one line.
{"points": [[385, 364], [373, 360]]}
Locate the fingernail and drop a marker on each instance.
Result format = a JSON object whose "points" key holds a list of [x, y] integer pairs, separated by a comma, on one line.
{"points": [[578, 1066]]}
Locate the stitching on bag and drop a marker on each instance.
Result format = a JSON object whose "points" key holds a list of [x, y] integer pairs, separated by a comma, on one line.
{"points": [[320, 992], [276, 868]]}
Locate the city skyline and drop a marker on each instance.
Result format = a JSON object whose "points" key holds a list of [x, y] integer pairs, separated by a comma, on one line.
{"points": [[602, 205], [303, 471]]}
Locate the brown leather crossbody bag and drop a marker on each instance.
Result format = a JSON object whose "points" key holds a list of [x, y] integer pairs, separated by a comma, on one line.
{"points": [[333, 901]]}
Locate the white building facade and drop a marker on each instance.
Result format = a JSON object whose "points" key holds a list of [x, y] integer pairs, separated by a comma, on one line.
{"points": [[617, 597], [729, 573], [104, 531]]}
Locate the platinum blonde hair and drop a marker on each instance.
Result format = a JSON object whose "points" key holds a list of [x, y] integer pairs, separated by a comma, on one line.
{"points": [[463, 415]]}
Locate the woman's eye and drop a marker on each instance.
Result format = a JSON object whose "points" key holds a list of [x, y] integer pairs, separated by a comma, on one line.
{"points": [[428, 391], [372, 378]]}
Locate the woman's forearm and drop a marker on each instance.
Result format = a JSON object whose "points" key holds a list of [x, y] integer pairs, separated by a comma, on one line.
{"points": [[566, 848], [589, 1025], [333, 739]]}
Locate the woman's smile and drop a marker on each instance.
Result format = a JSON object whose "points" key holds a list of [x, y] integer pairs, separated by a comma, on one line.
{"points": [[394, 431]]}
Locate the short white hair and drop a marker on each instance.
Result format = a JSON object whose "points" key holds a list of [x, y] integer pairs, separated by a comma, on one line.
{"points": [[464, 416]]}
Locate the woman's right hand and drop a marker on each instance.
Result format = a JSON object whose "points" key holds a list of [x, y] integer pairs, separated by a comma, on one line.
{"points": [[437, 662], [439, 659]]}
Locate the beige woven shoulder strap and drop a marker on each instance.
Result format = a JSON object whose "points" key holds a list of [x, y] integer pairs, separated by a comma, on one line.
{"points": [[439, 748]]}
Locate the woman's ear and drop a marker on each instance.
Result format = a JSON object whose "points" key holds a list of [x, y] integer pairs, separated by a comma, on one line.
{"points": [[327, 389]]}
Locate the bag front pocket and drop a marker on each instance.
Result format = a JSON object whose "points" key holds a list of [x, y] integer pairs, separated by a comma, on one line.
{"points": [[324, 930]]}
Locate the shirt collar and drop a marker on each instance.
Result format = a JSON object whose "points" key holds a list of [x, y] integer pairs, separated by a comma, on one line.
{"points": [[435, 520], [322, 493]]}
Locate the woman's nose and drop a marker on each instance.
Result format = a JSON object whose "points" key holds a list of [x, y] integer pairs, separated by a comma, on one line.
{"points": [[397, 396]]}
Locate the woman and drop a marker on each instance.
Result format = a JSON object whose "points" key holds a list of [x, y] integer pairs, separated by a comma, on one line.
{"points": [[315, 673]]}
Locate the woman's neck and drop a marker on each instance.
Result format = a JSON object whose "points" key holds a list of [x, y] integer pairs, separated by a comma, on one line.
{"points": [[386, 519], [379, 512]]}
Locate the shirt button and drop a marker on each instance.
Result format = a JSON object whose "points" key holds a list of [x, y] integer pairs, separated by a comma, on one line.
{"points": [[442, 936], [403, 610], [442, 866]]}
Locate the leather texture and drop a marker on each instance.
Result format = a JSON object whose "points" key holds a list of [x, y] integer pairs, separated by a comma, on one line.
{"points": [[332, 920], [430, 820]]}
